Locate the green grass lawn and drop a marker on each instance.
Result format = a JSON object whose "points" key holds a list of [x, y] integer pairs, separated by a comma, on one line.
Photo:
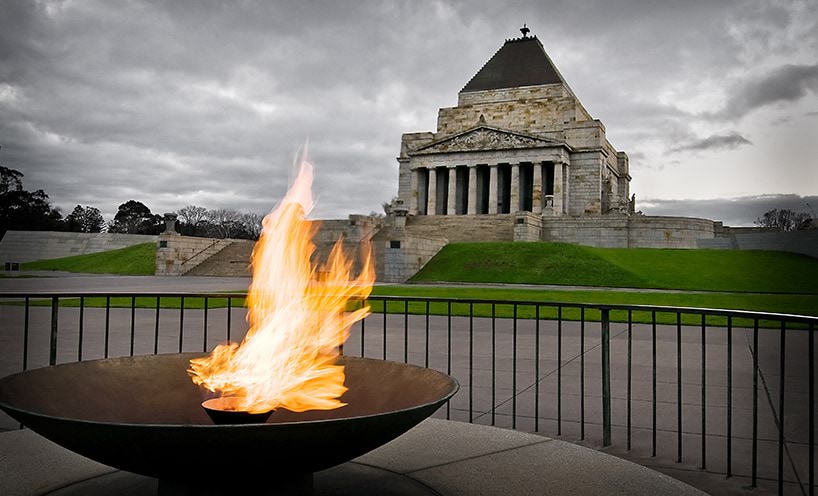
{"points": [[777, 303], [736, 280], [137, 260], [572, 265]]}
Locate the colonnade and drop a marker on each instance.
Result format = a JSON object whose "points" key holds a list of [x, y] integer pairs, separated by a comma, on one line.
{"points": [[488, 188]]}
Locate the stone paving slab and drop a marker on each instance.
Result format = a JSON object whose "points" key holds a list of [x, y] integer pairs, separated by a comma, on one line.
{"points": [[435, 458], [31, 465]]}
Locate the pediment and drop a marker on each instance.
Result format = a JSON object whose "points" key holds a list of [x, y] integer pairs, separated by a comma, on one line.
{"points": [[485, 138]]}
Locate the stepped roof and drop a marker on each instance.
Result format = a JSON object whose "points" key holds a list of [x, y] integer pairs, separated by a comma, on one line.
{"points": [[519, 62]]}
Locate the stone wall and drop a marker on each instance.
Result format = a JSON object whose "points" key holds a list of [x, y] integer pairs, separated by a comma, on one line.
{"points": [[803, 242], [585, 183], [353, 232], [528, 109], [399, 254], [499, 227], [27, 246], [667, 232], [605, 232], [527, 227], [620, 231], [176, 255]]}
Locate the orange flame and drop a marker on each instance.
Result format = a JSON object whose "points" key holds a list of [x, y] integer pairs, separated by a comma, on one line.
{"points": [[297, 323]]}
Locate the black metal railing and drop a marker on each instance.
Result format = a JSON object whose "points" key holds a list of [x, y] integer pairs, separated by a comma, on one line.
{"points": [[638, 385]]}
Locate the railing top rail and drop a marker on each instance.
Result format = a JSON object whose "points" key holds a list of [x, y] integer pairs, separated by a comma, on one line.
{"points": [[595, 306]]}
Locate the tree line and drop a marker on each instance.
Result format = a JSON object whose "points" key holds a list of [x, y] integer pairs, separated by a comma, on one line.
{"points": [[25, 210]]}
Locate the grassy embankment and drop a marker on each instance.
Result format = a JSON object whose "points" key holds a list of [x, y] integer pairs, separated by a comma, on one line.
{"points": [[741, 280], [137, 260]]}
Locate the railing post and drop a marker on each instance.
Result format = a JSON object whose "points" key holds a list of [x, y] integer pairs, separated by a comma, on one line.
{"points": [[55, 307], [606, 377]]}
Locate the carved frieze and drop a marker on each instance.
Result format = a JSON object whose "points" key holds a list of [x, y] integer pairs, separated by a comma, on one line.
{"points": [[484, 139]]}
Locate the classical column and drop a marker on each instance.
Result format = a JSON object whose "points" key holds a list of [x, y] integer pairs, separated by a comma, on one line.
{"points": [[472, 190], [515, 189], [431, 198], [493, 189], [558, 189], [452, 203], [537, 189], [413, 192]]}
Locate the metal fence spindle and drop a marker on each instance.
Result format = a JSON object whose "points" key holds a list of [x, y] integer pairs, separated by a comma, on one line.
{"points": [[405, 331], [385, 305], [704, 394], [80, 330], [781, 383], [471, 362], [811, 360], [729, 396], [582, 373], [204, 326], [449, 351], [630, 378], [363, 336], [606, 376], [107, 323], [559, 370], [55, 311], [653, 351], [25, 333], [679, 388], [181, 323], [514, 369], [755, 404], [536, 368], [229, 316], [427, 335], [156, 327], [493, 363], [133, 324]]}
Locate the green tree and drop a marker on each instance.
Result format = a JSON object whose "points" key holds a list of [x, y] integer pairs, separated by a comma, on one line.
{"points": [[134, 217], [85, 219], [24, 210]]}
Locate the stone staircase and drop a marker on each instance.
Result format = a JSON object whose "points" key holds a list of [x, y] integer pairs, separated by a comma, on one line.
{"points": [[232, 261]]}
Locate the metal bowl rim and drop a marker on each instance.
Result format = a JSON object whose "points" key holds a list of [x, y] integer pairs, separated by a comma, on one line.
{"points": [[454, 382]]}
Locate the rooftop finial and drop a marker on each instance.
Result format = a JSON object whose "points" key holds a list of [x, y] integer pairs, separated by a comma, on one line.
{"points": [[525, 31]]}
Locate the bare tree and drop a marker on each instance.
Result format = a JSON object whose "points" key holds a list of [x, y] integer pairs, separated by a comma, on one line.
{"points": [[251, 224], [192, 215], [785, 220], [224, 222]]}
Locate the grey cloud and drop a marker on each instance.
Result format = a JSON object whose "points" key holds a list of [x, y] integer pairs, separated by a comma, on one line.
{"points": [[205, 102], [785, 84], [725, 141], [741, 211]]}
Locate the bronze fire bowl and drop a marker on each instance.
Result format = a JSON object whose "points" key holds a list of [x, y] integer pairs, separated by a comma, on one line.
{"points": [[144, 415]]}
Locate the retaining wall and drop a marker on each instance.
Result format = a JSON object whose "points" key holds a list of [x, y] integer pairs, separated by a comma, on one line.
{"points": [[628, 232], [803, 242], [27, 246]]}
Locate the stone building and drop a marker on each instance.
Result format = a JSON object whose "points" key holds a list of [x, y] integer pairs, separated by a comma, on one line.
{"points": [[519, 140], [518, 159]]}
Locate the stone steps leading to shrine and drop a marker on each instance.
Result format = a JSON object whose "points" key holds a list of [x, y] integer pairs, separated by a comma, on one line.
{"points": [[232, 261]]}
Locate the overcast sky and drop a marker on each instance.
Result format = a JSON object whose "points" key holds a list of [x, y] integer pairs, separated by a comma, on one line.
{"points": [[202, 102]]}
